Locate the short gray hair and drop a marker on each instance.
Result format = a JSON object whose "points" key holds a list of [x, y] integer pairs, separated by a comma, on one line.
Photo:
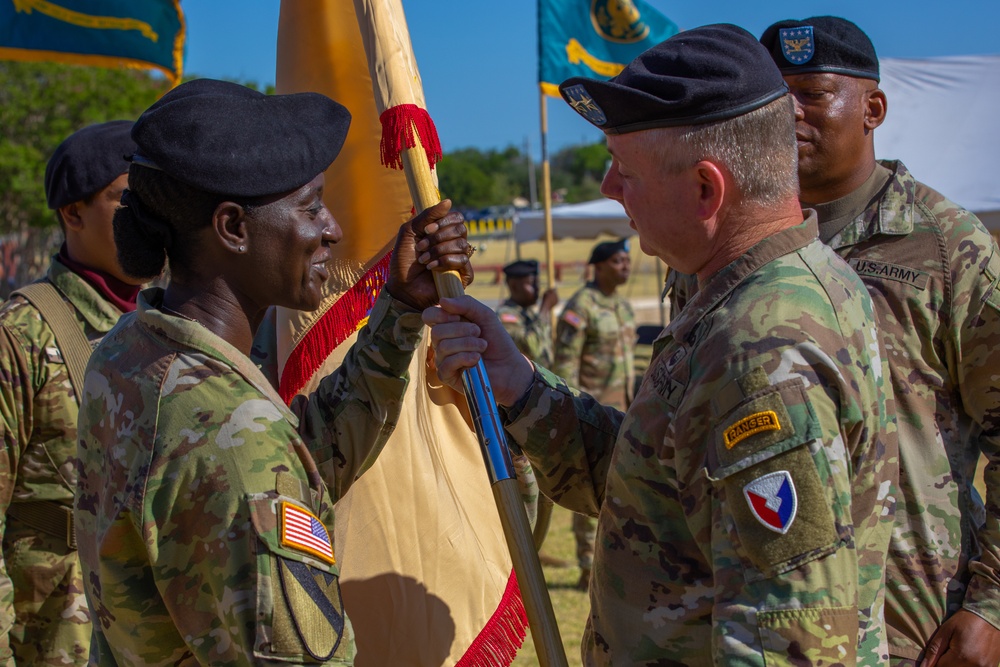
{"points": [[758, 149]]}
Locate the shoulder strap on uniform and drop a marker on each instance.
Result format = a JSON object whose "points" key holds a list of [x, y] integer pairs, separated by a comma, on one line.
{"points": [[72, 342]]}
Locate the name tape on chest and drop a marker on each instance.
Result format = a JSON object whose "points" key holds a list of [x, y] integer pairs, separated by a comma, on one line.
{"points": [[773, 500], [903, 274], [301, 530], [758, 422]]}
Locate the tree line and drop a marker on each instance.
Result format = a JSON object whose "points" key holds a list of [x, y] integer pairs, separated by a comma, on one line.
{"points": [[42, 103]]}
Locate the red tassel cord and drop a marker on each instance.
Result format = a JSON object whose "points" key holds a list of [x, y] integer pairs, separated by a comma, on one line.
{"points": [[497, 644], [398, 125], [336, 325]]}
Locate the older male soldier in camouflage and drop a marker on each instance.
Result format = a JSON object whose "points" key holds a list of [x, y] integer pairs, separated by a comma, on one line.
{"points": [[745, 499], [530, 329], [595, 352], [45, 620], [932, 272]]}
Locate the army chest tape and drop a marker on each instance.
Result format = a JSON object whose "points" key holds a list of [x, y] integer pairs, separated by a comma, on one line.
{"points": [[48, 516]]}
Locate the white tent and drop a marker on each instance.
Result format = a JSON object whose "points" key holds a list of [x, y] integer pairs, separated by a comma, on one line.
{"points": [[943, 122], [575, 221]]}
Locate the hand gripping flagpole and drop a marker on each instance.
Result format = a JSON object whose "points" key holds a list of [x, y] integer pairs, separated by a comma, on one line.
{"points": [[409, 141]]}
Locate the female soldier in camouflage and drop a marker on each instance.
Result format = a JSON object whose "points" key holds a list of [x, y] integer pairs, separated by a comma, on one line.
{"points": [[204, 502]]}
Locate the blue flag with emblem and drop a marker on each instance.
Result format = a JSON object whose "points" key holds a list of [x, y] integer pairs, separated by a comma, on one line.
{"points": [[594, 38], [105, 33]]}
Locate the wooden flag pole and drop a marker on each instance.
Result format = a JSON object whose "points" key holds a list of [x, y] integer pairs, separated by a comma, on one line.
{"points": [[409, 140], [517, 530]]}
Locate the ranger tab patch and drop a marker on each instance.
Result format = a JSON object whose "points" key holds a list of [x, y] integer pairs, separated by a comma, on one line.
{"points": [[773, 500], [758, 422], [302, 531], [797, 44]]}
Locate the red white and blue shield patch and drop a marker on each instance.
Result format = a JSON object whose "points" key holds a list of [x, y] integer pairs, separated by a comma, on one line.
{"points": [[773, 501]]}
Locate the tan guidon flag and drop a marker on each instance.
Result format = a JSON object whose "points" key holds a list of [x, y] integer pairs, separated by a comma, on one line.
{"points": [[426, 575]]}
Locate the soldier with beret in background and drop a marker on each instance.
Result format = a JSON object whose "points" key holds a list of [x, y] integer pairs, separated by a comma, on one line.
{"points": [[595, 352], [744, 499], [47, 331], [932, 270], [205, 504], [531, 329]]}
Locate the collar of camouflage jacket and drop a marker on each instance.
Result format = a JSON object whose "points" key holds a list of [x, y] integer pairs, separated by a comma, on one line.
{"points": [[720, 285], [191, 336], [893, 216], [99, 313]]}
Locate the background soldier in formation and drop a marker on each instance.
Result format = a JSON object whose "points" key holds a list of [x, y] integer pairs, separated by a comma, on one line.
{"points": [[932, 270], [595, 352], [44, 618], [744, 500]]}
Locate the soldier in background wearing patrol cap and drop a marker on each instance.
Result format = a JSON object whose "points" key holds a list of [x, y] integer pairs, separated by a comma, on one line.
{"points": [[205, 504], [44, 618], [744, 500], [595, 352], [932, 271]]}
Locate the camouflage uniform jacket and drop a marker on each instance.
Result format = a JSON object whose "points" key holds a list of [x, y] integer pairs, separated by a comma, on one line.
{"points": [[932, 271], [43, 612], [205, 505], [595, 346], [746, 497], [531, 332]]}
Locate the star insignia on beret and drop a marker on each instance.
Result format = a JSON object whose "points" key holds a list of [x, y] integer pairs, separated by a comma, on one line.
{"points": [[584, 104]]}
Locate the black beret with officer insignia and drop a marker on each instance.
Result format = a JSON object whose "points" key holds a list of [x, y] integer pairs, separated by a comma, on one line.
{"points": [[521, 268], [698, 76], [604, 251], [88, 161], [227, 139], [821, 44]]}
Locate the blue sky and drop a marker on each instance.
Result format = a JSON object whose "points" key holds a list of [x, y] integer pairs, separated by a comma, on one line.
{"points": [[477, 58]]}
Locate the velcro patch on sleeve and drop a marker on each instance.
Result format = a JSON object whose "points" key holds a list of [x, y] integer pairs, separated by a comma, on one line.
{"points": [[750, 425], [302, 531], [572, 319]]}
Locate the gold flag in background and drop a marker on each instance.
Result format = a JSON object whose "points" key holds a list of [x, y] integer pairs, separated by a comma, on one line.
{"points": [[425, 572]]}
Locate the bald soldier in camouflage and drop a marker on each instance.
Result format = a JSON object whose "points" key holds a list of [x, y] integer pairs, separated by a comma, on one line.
{"points": [[745, 499], [44, 618], [595, 352], [932, 270]]}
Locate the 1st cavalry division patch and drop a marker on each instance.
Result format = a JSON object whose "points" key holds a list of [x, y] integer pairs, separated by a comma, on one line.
{"points": [[302, 531]]}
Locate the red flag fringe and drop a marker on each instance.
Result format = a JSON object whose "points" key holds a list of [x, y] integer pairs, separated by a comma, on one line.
{"points": [[503, 634], [336, 326], [398, 123], [497, 643]]}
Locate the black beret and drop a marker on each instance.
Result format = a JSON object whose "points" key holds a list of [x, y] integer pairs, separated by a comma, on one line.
{"points": [[821, 44], [697, 76], [521, 268], [604, 251], [227, 139], [87, 161]]}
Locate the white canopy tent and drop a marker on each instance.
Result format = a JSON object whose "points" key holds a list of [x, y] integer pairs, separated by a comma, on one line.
{"points": [[943, 122], [575, 221]]}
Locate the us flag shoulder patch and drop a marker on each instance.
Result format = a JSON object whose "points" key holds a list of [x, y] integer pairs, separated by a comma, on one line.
{"points": [[302, 531]]}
